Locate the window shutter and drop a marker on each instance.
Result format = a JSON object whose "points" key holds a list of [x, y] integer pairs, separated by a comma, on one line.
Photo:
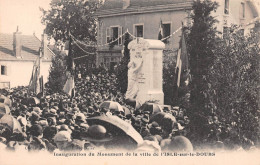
{"points": [[108, 34], [120, 31]]}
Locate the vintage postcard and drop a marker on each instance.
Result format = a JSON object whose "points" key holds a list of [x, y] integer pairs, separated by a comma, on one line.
{"points": [[129, 82]]}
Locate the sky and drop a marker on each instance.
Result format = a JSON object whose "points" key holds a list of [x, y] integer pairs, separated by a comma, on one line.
{"points": [[22, 13]]}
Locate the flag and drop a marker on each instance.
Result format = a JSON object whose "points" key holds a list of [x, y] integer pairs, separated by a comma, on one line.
{"points": [[69, 86], [160, 35], [41, 85], [34, 84], [182, 59], [31, 80]]}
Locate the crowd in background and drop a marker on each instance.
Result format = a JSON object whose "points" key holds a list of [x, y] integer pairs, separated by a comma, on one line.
{"points": [[59, 122]]}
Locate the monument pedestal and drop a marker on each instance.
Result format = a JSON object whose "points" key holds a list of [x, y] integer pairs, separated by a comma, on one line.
{"points": [[146, 56]]}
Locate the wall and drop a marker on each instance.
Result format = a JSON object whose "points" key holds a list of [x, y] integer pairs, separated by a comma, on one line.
{"points": [[151, 22], [19, 72], [234, 14]]}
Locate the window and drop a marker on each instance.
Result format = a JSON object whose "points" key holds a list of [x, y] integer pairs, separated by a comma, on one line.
{"points": [[115, 34], [139, 31], [112, 33], [166, 31], [3, 70], [242, 10], [226, 8]]}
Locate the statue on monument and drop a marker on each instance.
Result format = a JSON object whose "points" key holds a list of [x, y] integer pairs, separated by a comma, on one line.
{"points": [[134, 68], [145, 72]]}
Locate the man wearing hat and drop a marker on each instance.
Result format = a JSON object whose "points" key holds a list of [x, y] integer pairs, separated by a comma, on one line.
{"points": [[34, 118], [36, 142], [62, 140], [98, 136], [37, 110]]}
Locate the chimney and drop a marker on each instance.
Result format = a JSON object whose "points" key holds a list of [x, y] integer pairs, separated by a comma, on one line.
{"points": [[17, 43], [44, 45], [126, 4]]}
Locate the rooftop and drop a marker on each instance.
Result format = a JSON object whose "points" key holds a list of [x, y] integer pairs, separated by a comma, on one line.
{"points": [[116, 6], [29, 51]]}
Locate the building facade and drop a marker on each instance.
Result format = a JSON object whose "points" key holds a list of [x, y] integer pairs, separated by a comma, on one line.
{"points": [[238, 12], [17, 56], [142, 18]]}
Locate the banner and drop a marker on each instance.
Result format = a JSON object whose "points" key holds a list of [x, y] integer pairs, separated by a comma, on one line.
{"points": [[182, 59], [36, 81], [160, 35], [69, 86]]}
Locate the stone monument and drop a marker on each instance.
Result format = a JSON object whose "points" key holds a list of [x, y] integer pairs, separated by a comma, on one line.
{"points": [[145, 71]]}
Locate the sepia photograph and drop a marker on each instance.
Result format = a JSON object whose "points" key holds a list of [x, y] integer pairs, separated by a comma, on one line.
{"points": [[129, 82]]}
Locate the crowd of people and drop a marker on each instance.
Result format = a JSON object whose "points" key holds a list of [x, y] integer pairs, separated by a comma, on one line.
{"points": [[58, 122]]}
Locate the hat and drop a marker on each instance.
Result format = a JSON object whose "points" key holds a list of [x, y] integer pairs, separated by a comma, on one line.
{"points": [[36, 130], [84, 126], [22, 120], [81, 117], [64, 127], [97, 133], [51, 119], [53, 112], [43, 122], [75, 109], [144, 120], [155, 124], [37, 110], [62, 136], [61, 121], [180, 143], [35, 116], [70, 113], [49, 132]]}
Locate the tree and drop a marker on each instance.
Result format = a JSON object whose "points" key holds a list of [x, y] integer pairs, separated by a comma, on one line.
{"points": [[234, 87], [74, 16], [202, 40], [169, 64], [170, 82], [57, 76], [122, 69]]}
